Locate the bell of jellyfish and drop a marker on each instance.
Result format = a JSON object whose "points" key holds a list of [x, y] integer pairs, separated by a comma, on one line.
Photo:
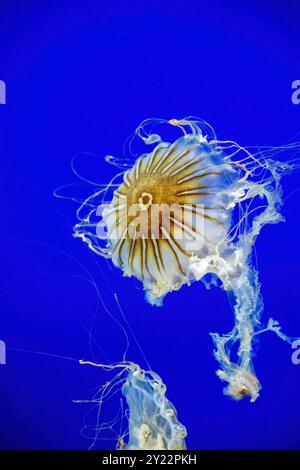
{"points": [[152, 418], [188, 210]]}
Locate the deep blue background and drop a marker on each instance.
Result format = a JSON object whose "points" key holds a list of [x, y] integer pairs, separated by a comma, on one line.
{"points": [[80, 77]]}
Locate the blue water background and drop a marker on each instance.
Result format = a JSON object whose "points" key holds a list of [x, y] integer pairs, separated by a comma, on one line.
{"points": [[80, 76]]}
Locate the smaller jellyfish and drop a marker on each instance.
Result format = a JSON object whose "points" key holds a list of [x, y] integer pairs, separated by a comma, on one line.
{"points": [[152, 418]]}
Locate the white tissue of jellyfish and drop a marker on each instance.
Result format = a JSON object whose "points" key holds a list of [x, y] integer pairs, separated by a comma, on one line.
{"points": [[153, 422]]}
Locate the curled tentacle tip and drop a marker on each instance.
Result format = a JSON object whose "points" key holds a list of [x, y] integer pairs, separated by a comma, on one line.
{"points": [[241, 384], [174, 122]]}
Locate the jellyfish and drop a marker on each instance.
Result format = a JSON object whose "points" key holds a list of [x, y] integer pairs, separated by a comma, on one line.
{"points": [[191, 210], [152, 418]]}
